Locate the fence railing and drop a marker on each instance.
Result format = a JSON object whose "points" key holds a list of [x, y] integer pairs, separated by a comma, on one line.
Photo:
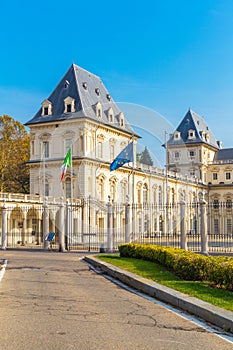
{"points": [[91, 225]]}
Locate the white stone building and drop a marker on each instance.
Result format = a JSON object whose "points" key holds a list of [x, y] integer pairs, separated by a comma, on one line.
{"points": [[81, 114]]}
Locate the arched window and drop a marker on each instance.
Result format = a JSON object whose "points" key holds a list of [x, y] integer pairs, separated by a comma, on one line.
{"points": [[160, 196], [112, 152], [123, 192], [145, 193], [139, 193], [112, 187], [101, 189], [154, 195]]}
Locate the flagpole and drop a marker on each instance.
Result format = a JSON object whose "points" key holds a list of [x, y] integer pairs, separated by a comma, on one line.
{"points": [[166, 188], [71, 172], [133, 185], [44, 171]]}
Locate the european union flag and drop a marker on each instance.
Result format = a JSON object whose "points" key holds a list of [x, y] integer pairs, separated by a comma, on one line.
{"points": [[125, 156]]}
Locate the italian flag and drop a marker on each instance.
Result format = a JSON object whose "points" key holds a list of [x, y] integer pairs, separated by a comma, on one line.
{"points": [[66, 164]]}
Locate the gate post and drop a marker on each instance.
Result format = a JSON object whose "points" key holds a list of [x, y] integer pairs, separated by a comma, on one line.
{"points": [[110, 228], [24, 229], [45, 223], [127, 226], [4, 226], [67, 226], [183, 237], [61, 226], [203, 226]]}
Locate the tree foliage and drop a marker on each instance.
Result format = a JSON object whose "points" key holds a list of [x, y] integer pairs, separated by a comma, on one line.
{"points": [[14, 153], [145, 157]]}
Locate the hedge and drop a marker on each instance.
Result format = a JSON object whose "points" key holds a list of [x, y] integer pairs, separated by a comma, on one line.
{"points": [[218, 271]]}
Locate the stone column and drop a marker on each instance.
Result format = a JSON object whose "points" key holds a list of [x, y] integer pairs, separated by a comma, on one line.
{"points": [[61, 227], [4, 226], [183, 229], [45, 224], [203, 228]]}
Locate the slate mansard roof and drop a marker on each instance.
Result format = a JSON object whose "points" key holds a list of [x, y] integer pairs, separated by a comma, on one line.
{"points": [[87, 90], [203, 134], [224, 154]]}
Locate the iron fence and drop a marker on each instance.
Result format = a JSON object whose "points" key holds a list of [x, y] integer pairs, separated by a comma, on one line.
{"points": [[91, 225]]}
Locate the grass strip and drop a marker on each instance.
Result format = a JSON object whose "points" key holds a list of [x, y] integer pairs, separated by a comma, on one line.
{"points": [[150, 270]]}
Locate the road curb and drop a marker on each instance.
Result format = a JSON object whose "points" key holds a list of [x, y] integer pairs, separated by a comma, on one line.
{"points": [[210, 313], [3, 269]]}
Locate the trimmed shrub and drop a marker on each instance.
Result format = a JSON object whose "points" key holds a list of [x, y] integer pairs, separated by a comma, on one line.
{"points": [[187, 265]]}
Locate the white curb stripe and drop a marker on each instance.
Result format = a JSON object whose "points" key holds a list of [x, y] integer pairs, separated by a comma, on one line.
{"points": [[2, 271]]}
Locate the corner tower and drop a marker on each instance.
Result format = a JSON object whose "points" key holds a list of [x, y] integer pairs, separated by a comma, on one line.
{"points": [[79, 114], [191, 147]]}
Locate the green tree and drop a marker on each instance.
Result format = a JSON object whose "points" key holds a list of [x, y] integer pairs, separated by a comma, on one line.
{"points": [[14, 153], [146, 158]]}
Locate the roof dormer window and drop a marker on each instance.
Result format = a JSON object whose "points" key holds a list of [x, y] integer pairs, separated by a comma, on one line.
{"points": [[176, 135], [98, 110], [69, 103], [46, 108], [97, 91], [191, 134], [110, 115], [202, 134], [108, 97], [85, 85], [122, 119]]}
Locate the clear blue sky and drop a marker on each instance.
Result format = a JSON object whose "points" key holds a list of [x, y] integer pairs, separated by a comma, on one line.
{"points": [[164, 55]]}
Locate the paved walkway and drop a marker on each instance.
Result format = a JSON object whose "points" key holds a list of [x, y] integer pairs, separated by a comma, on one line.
{"points": [[53, 301]]}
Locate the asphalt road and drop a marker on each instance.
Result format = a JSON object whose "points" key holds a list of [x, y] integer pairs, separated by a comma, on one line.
{"points": [[52, 300]]}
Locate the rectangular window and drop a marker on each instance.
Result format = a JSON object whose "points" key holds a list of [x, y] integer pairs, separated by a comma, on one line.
{"points": [[177, 154], [68, 108], [68, 189], [46, 149], [192, 153], [46, 110], [228, 176], [33, 148], [216, 226], [215, 176], [46, 190]]}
